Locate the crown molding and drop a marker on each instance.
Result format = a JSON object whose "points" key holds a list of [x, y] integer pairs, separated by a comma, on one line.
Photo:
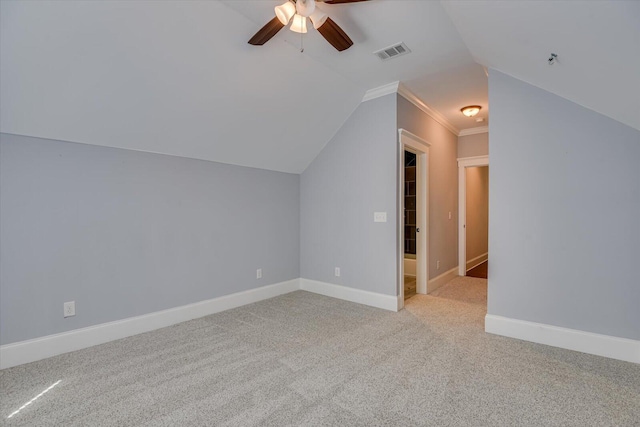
{"points": [[377, 92], [400, 89], [434, 114], [474, 131]]}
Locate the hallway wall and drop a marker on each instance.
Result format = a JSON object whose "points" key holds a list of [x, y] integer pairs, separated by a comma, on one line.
{"points": [[443, 185], [473, 145]]}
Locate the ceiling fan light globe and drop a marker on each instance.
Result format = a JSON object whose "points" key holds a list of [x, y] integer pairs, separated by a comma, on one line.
{"points": [[299, 24], [318, 18], [305, 7], [285, 11]]}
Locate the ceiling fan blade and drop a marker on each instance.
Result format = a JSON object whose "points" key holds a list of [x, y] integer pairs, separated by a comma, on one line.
{"points": [[340, 1], [334, 35], [265, 33]]}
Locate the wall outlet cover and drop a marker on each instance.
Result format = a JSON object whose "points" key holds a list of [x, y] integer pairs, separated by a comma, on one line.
{"points": [[337, 272], [69, 309], [259, 273]]}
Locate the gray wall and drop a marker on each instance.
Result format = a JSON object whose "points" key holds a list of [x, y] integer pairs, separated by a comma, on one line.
{"points": [[443, 185], [564, 208], [125, 233], [473, 145], [353, 177], [477, 207]]}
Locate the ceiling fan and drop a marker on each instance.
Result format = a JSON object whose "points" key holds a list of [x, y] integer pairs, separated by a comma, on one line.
{"points": [[298, 11]]}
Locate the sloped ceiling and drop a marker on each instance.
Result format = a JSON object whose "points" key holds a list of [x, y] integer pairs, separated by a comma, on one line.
{"points": [[597, 43], [168, 77], [178, 77]]}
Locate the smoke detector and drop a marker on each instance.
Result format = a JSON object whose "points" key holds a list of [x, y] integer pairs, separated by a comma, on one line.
{"points": [[392, 51]]}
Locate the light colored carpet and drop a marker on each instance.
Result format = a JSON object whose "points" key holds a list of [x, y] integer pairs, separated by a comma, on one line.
{"points": [[305, 359]]}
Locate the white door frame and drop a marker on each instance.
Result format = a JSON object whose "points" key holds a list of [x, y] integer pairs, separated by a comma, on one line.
{"points": [[463, 163], [413, 143]]}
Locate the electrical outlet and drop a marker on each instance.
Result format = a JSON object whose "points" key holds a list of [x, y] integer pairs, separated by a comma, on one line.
{"points": [[438, 265], [259, 273], [449, 214], [337, 272], [69, 309]]}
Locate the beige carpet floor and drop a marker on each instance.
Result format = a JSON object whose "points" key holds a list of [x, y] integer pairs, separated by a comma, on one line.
{"points": [[305, 359]]}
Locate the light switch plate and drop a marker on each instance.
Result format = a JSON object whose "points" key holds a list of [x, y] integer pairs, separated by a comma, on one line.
{"points": [[379, 217]]}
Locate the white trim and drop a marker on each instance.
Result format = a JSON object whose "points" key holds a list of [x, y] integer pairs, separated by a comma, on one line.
{"points": [[473, 161], [18, 353], [400, 89], [400, 223], [434, 114], [52, 345], [474, 262], [474, 131], [571, 339], [465, 162], [413, 143], [443, 279], [373, 299], [413, 140], [377, 92]]}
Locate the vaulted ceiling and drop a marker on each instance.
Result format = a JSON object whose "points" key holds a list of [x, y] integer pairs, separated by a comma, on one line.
{"points": [[178, 77]]}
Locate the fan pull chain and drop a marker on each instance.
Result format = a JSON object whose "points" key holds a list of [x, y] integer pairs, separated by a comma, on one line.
{"points": [[301, 41]]}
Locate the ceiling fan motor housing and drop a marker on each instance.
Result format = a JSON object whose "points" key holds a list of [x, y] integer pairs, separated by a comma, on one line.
{"points": [[305, 7]]}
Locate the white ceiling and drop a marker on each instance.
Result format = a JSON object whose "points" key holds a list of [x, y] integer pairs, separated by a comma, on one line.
{"points": [[179, 77], [597, 43]]}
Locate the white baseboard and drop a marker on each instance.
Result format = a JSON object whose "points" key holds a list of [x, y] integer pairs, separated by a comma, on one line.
{"points": [[52, 345], [571, 339], [373, 299], [441, 280], [477, 261]]}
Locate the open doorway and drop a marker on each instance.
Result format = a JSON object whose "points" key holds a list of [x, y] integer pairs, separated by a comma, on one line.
{"points": [[413, 209], [473, 204], [477, 220], [410, 222]]}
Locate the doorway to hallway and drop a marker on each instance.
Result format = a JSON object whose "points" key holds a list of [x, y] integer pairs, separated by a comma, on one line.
{"points": [[473, 205]]}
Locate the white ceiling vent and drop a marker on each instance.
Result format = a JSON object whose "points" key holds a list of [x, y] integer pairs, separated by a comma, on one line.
{"points": [[392, 51]]}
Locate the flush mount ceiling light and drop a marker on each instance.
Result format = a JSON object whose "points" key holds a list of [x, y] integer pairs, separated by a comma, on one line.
{"points": [[471, 110], [297, 12]]}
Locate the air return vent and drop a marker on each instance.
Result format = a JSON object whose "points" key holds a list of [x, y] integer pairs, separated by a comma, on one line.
{"points": [[392, 51]]}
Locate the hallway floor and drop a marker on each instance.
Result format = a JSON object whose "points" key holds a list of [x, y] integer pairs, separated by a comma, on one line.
{"points": [[480, 271]]}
